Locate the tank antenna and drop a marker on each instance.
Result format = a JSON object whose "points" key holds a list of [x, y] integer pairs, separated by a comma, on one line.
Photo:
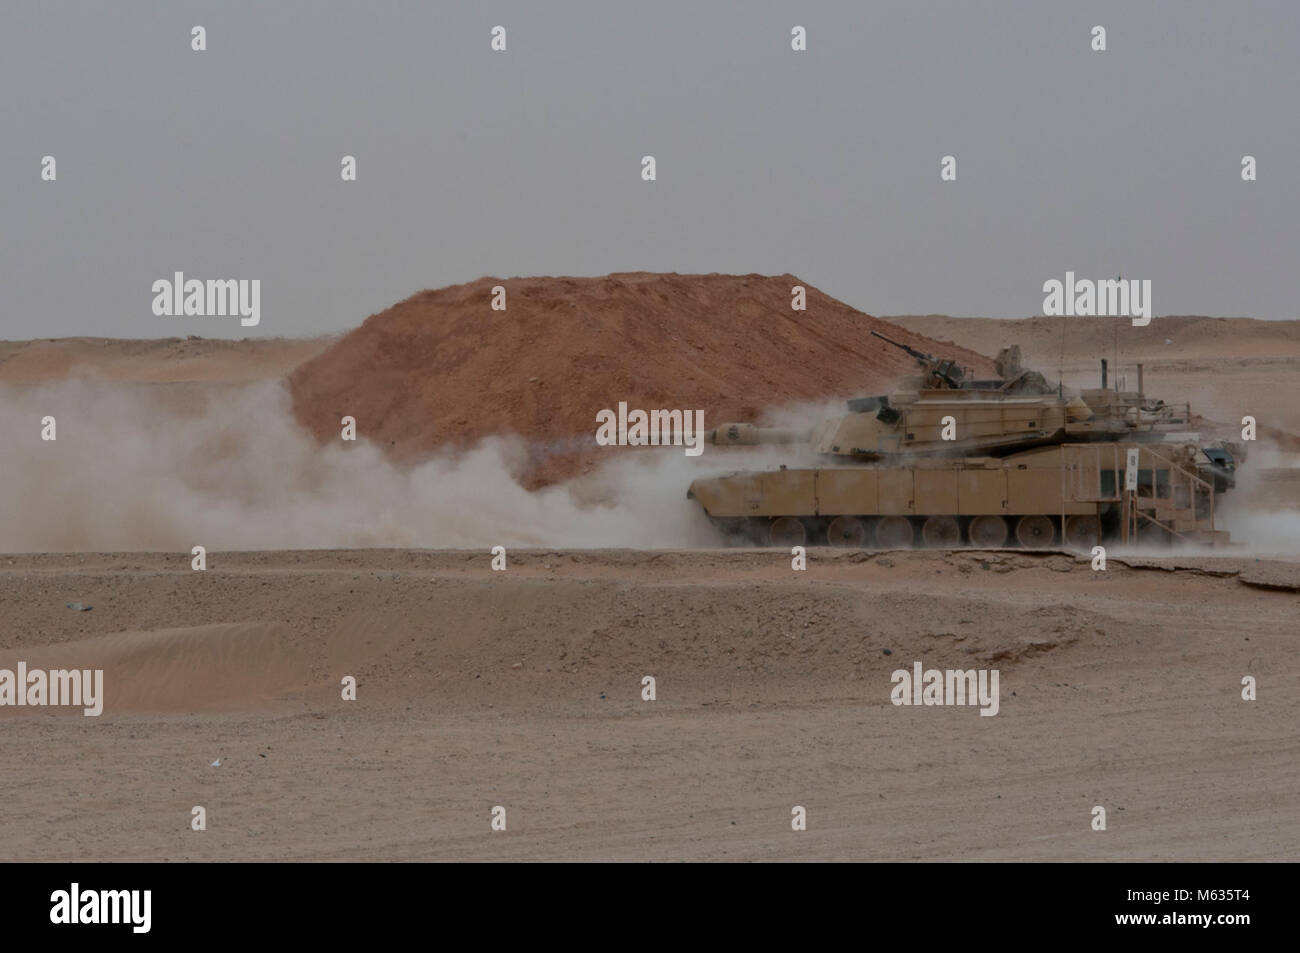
{"points": [[1116, 346], [1060, 368]]}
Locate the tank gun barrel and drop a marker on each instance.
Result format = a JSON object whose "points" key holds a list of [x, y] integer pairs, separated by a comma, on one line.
{"points": [[740, 435], [919, 355], [942, 373]]}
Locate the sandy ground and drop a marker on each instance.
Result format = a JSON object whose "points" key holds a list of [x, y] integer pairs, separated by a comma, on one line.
{"points": [[1118, 688], [164, 361]]}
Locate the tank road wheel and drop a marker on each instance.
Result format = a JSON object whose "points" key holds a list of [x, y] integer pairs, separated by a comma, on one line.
{"points": [[1035, 532], [847, 531], [786, 531], [893, 532], [941, 532], [1082, 532], [987, 532]]}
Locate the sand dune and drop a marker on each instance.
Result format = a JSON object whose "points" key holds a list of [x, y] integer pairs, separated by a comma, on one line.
{"points": [[444, 369]]}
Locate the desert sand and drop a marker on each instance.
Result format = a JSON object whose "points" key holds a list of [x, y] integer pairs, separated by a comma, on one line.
{"points": [[523, 688], [164, 361]]}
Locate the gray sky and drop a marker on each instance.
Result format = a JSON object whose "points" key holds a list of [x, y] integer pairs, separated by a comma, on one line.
{"points": [[225, 163]]}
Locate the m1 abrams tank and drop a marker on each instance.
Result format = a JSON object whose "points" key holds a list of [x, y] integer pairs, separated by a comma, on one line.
{"points": [[948, 461]]}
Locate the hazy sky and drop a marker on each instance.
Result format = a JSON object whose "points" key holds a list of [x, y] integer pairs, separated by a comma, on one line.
{"points": [[825, 163]]}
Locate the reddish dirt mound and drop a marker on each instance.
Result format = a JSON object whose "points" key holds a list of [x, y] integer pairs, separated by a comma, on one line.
{"points": [[443, 368]]}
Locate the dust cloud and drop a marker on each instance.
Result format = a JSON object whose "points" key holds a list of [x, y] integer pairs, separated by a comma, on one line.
{"points": [[167, 468]]}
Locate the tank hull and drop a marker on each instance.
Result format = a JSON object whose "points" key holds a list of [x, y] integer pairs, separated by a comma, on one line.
{"points": [[1067, 493]]}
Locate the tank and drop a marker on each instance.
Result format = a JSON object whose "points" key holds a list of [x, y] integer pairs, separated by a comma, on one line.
{"points": [[948, 460]]}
